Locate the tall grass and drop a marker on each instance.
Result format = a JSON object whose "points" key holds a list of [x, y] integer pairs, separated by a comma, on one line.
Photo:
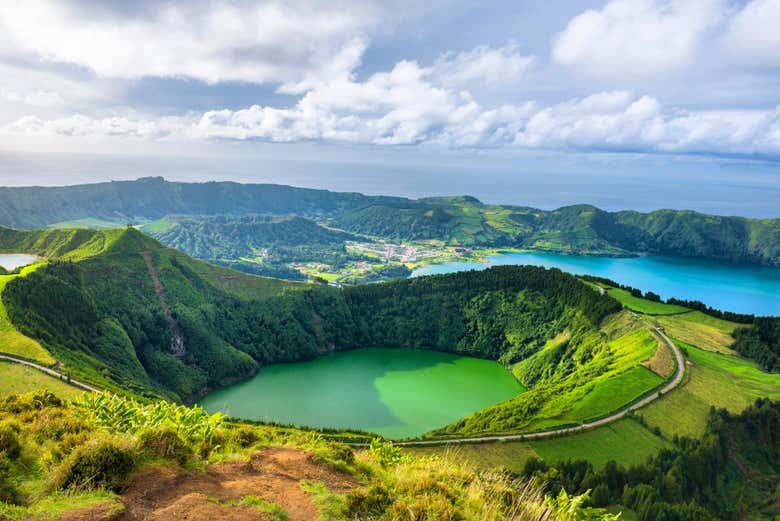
{"points": [[121, 414]]}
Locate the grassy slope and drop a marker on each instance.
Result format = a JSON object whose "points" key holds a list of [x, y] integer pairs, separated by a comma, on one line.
{"points": [[485, 456], [623, 381], [12, 341], [103, 444], [626, 442], [645, 306], [704, 331], [18, 379], [614, 393], [714, 380]]}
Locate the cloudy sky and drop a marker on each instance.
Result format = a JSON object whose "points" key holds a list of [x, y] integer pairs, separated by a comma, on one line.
{"points": [[563, 86]]}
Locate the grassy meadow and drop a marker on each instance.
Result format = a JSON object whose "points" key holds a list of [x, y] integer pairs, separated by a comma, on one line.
{"points": [[11, 340], [627, 442], [713, 379], [703, 331], [19, 379], [641, 305]]}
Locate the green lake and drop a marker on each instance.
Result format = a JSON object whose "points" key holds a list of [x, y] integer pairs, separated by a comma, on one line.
{"points": [[397, 393]]}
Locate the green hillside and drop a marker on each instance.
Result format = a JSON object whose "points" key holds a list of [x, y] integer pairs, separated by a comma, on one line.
{"points": [[259, 244], [579, 229], [454, 221], [146, 318]]}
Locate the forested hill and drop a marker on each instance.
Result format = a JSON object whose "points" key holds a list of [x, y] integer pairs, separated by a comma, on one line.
{"points": [[154, 197], [579, 229], [111, 317]]}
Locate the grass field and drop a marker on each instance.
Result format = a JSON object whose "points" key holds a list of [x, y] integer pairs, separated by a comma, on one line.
{"points": [[627, 442], [714, 380], [12, 341], [645, 306], [485, 456], [704, 331], [16, 378], [615, 392]]}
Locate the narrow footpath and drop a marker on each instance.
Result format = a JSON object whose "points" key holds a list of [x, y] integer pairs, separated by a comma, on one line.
{"points": [[49, 371]]}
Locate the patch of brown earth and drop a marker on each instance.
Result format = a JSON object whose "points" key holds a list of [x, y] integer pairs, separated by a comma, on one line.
{"points": [[108, 511], [662, 362], [273, 474]]}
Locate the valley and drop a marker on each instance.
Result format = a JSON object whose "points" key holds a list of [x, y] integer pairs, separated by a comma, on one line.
{"points": [[512, 366]]}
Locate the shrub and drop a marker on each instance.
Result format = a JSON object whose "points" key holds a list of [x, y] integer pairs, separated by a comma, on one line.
{"points": [[245, 436], [55, 424], [8, 491], [9, 440], [385, 452], [36, 400], [104, 462], [341, 452], [164, 442], [368, 503]]}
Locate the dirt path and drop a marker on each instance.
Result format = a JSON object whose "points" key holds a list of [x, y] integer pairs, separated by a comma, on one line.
{"points": [[224, 491], [51, 372], [673, 383]]}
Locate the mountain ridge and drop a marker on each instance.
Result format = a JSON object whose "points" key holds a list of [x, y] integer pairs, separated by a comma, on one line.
{"points": [[457, 220]]}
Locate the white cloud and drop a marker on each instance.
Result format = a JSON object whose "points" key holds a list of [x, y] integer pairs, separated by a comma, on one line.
{"points": [[620, 121], [402, 108], [40, 98], [271, 41], [637, 38], [753, 36], [483, 65]]}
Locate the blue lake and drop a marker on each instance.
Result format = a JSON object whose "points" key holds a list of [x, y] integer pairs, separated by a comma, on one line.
{"points": [[739, 288]]}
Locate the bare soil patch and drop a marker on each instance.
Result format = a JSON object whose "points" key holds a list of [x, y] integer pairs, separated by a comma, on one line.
{"points": [[273, 474]]}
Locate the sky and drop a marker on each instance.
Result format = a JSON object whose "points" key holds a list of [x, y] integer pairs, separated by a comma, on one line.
{"points": [[623, 103]]}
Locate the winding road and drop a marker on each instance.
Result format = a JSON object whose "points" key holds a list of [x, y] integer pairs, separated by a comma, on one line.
{"points": [[50, 372], [672, 384]]}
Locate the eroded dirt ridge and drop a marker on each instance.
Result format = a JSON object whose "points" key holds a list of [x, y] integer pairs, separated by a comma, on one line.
{"points": [[178, 349], [227, 492]]}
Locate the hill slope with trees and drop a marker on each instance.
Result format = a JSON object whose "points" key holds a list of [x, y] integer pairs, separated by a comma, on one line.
{"points": [[465, 221]]}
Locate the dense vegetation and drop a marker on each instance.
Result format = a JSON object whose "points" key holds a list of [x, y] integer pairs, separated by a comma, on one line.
{"points": [[580, 229], [57, 457], [464, 221], [103, 318], [726, 474], [259, 244], [151, 198], [761, 342]]}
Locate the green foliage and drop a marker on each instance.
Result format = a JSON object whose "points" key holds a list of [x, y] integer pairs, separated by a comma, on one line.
{"points": [[714, 379], [761, 342], [726, 474], [385, 452], [18, 403], [164, 442], [642, 305], [627, 442], [120, 414], [102, 462], [9, 440]]}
